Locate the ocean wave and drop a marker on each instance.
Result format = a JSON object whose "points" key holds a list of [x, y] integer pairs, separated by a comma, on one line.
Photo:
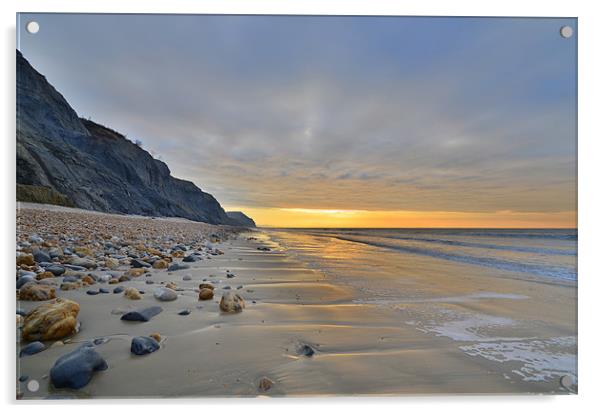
{"points": [[536, 269]]}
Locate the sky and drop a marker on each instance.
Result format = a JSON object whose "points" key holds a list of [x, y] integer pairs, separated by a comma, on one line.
{"points": [[336, 121]]}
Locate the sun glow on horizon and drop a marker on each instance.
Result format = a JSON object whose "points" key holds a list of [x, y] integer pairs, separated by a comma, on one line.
{"points": [[343, 218]]}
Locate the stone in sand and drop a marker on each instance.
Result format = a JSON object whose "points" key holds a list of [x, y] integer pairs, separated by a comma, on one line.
{"points": [[171, 285], [40, 255], [83, 262], [44, 275], [156, 336], [74, 370], [143, 345], [142, 315], [88, 280], [36, 292], [206, 285], [191, 258], [118, 290], [111, 263], [140, 264], [231, 303], [184, 312], [265, 384], [57, 270], [305, 350], [165, 294], [160, 264], [177, 267], [66, 286], [25, 259], [187, 277], [135, 272], [51, 321], [24, 279], [132, 293], [205, 294], [32, 348]]}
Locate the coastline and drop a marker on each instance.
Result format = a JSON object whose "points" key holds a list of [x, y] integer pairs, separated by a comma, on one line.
{"points": [[386, 347]]}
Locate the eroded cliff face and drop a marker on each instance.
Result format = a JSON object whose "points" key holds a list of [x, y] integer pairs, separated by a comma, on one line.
{"points": [[94, 166], [242, 219]]}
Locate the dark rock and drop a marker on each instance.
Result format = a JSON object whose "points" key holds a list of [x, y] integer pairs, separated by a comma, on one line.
{"points": [[143, 345], [23, 378], [57, 270], [100, 340], [103, 291], [142, 315], [40, 255], [70, 279], [191, 258], [32, 348], [118, 290], [176, 267], [92, 292], [24, 280], [240, 219], [74, 370], [184, 312], [140, 264], [230, 275], [264, 249], [305, 350]]}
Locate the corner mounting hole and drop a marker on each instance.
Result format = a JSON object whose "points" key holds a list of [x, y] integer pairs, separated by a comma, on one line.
{"points": [[566, 31], [32, 27]]}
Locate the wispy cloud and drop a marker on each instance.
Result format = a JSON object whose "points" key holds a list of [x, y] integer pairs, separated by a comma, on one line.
{"points": [[333, 113]]}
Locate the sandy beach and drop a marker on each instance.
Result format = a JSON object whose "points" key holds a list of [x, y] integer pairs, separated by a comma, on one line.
{"points": [[377, 325]]}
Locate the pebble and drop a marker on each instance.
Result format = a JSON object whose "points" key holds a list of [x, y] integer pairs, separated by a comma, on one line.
{"points": [[32, 348], [103, 291], [184, 312], [186, 278], [142, 315], [57, 270], [23, 378], [305, 350], [92, 292], [205, 294], [74, 370], [139, 264], [143, 345], [265, 384], [177, 267], [24, 280], [165, 294], [132, 293], [118, 290]]}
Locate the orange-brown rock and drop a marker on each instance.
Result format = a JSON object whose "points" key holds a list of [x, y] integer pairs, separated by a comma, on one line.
{"points": [[113, 281], [25, 259], [88, 280], [160, 264], [71, 286], [132, 293], [45, 274], [156, 336], [177, 254], [51, 321], [171, 285], [205, 294], [36, 292], [135, 272], [206, 285]]}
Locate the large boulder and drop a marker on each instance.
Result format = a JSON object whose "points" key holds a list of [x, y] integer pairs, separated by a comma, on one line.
{"points": [[74, 370], [51, 321]]}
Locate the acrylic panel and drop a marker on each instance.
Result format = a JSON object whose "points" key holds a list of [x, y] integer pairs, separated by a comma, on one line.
{"points": [[247, 205]]}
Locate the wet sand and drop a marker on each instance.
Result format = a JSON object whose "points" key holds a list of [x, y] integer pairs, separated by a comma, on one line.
{"points": [[402, 345]]}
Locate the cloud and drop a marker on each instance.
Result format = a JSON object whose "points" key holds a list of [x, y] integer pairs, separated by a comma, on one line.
{"points": [[333, 113]]}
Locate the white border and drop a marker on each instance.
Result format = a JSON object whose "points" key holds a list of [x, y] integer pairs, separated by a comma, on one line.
{"points": [[590, 150]]}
